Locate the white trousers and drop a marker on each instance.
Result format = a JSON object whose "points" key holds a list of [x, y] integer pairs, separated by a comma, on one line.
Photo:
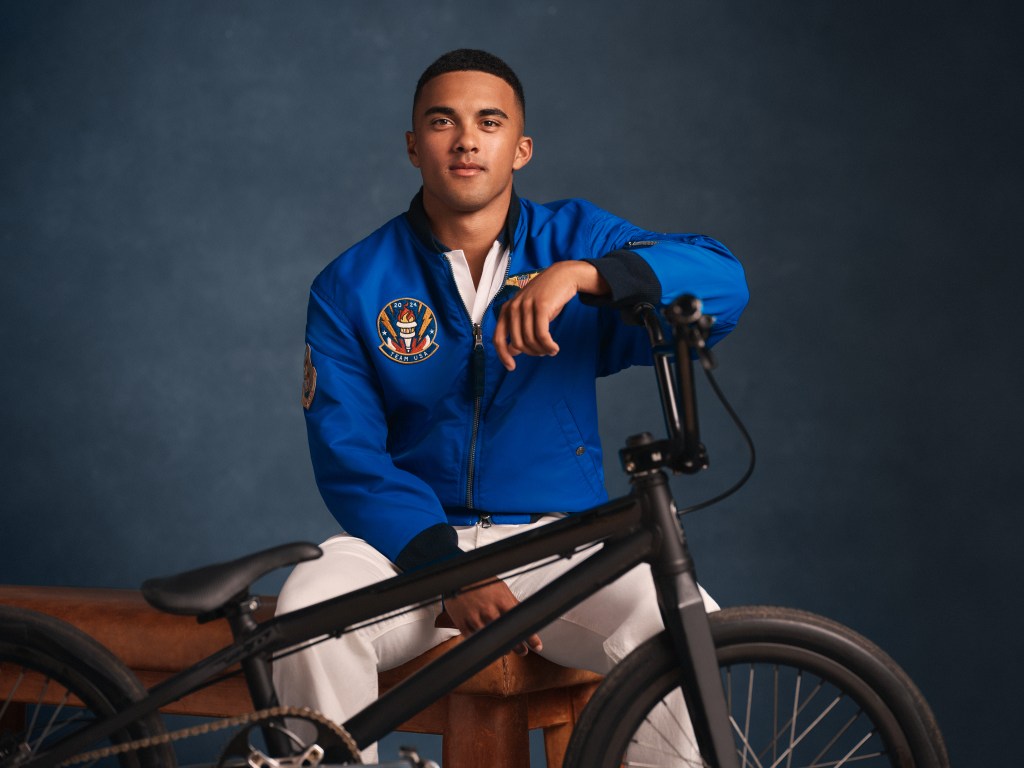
{"points": [[339, 677]]}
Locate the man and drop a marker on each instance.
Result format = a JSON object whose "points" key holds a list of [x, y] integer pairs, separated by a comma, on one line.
{"points": [[449, 388]]}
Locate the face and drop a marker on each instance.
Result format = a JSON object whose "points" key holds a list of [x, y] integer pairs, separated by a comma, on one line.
{"points": [[467, 139]]}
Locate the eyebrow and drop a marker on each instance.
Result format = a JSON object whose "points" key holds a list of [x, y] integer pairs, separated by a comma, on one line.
{"points": [[448, 111]]}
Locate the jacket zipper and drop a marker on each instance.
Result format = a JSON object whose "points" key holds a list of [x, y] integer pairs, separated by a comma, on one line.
{"points": [[478, 396], [477, 363]]}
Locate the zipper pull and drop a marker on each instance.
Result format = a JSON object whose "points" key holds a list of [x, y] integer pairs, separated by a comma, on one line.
{"points": [[478, 360], [485, 521]]}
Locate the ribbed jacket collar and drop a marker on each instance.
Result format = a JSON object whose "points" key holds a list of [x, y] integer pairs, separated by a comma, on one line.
{"points": [[417, 218]]}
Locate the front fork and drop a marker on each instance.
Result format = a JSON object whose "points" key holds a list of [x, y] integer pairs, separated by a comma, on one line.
{"points": [[686, 621]]}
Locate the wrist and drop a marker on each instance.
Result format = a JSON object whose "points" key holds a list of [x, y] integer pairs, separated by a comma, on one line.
{"points": [[587, 278]]}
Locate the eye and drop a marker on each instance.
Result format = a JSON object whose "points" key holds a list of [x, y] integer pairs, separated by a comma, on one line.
{"points": [[441, 122], [490, 124]]}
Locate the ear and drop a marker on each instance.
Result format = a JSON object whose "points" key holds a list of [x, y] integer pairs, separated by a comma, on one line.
{"points": [[410, 148], [524, 151]]}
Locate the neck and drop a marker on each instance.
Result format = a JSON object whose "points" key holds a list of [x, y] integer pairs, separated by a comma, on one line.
{"points": [[472, 232]]}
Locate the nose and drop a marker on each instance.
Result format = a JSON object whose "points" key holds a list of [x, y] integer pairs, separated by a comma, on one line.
{"points": [[466, 141]]}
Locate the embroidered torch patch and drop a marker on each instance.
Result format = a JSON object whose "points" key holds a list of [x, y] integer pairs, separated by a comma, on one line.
{"points": [[308, 380], [408, 331]]}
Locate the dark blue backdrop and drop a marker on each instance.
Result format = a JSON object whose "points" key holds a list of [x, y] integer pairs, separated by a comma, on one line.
{"points": [[173, 175]]}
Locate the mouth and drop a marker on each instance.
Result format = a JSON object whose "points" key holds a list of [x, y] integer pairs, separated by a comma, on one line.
{"points": [[465, 169]]}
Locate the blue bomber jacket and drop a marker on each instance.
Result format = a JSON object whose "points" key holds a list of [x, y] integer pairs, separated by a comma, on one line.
{"points": [[415, 426]]}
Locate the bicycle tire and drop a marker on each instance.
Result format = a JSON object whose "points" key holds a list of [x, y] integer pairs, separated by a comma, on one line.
{"points": [[870, 702], [72, 681]]}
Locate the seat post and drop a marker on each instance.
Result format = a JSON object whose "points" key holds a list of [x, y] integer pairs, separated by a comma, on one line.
{"points": [[258, 675]]}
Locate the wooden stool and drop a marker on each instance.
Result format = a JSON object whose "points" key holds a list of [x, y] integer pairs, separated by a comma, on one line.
{"points": [[483, 723]]}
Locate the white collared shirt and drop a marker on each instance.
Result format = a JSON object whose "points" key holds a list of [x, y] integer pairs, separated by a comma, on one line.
{"points": [[476, 298]]}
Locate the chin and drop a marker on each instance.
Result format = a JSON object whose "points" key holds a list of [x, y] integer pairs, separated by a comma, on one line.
{"points": [[464, 198], [468, 203]]}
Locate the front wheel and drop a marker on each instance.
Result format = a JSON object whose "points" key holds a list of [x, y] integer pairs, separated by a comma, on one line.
{"points": [[54, 681], [802, 692]]}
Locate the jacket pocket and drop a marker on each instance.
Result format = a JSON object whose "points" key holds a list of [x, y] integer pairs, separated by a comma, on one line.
{"points": [[585, 457]]}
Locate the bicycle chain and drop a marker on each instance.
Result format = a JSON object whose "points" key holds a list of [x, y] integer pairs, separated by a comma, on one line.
{"points": [[218, 725]]}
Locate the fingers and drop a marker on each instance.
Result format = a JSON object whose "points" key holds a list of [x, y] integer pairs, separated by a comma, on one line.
{"points": [[535, 644], [474, 609], [524, 325], [501, 345], [524, 328], [532, 643]]}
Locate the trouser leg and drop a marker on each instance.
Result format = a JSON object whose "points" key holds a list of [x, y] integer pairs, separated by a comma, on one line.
{"points": [[339, 677], [600, 632]]}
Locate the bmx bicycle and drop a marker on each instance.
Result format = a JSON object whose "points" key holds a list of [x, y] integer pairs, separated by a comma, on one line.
{"points": [[753, 686]]}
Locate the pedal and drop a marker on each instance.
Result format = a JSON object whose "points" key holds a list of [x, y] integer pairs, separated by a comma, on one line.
{"points": [[309, 759], [240, 752]]}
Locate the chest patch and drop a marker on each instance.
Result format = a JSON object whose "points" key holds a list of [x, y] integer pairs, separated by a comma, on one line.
{"points": [[520, 280], [407, 330]]}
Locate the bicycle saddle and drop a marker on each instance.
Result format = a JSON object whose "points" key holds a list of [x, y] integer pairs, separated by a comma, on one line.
{"points": [[207, 589]]}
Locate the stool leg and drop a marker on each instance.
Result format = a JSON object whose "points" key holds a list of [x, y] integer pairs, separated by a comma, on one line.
{"points": [[556, 737], [486, 731], [556, 742]]}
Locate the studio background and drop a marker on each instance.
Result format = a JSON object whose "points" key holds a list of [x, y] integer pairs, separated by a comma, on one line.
{"points": [[173, 176]]}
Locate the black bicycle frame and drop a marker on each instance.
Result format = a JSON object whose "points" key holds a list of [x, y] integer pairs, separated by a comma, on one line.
{"points": [[638, 528]]}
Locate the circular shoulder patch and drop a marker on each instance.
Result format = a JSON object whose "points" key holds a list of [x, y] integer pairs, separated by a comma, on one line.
{"points": [[408, 331]]}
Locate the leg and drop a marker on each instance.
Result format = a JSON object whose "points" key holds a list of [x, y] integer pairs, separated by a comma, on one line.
{"points": [[604, 629], [339, 677]]}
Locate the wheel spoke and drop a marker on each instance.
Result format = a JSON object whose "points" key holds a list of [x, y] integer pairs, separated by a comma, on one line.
{"points": [[778, 730], [846, 759], [746, 722], [14, 689], [746, 742], [674, 756], [671, 717], [775, 710], [794, 742], [39, 705], [792, 729], [839, 734], [53, 719]]}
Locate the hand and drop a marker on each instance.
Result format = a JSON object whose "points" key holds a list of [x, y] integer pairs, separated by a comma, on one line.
{"points": [[523, 325], [478, 606]]}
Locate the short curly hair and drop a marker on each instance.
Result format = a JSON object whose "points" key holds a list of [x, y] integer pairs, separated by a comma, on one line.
{"points": [[472, 60]]}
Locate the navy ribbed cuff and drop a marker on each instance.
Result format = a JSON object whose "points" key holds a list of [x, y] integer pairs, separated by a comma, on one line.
{"points": [[630, 278], [436, 543]]}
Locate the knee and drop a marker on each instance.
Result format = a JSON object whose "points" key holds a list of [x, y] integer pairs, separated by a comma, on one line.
{"points": [[347, 564], [297, 592]]}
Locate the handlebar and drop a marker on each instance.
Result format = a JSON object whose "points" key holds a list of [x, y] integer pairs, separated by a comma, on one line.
{"points": [[682, 451]]}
